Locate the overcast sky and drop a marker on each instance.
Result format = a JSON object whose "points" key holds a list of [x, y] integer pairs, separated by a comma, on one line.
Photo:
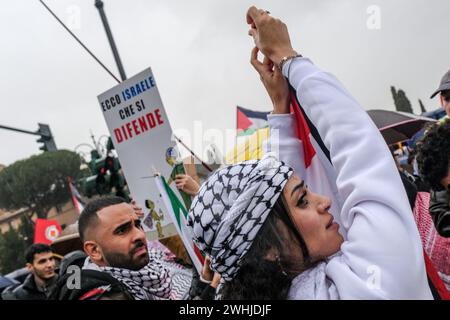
{"points": [[199, 52]]}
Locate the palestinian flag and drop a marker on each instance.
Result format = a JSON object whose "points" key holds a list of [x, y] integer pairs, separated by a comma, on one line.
{"points": [[316, 170], [251, 148], [249, 121], [76, 197], [178, 214]]}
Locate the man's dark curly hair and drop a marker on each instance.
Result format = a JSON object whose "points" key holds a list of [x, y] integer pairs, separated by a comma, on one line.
{"points": [[434, 154]]}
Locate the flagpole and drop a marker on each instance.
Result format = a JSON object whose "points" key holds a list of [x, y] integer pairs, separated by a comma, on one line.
{"points": [[235, 149], [79, 41], [193, 154]]}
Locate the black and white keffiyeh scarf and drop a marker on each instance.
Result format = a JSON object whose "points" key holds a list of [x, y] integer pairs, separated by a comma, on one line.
{"points": [[231, 207], [181, 276], [152, 282]]}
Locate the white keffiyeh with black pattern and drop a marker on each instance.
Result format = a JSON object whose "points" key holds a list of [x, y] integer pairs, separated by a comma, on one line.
{"points": [[231, 207], [152, 282]]}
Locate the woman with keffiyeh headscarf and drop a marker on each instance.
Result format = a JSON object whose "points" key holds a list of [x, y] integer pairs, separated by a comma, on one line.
{"points": [[270, 237]]}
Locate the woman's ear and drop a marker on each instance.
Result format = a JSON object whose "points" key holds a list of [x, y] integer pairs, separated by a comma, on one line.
{"points": [[272, 254]]}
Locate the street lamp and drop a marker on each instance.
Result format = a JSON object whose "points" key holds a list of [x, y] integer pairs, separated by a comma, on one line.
{"points": [[99, 5]]}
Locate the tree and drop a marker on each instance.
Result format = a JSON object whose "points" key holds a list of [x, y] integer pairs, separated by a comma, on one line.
{"points": [[401, 101], [26, 231], [10, 248], [394, 95], [38, 183], [13, 244], [422, 107]]}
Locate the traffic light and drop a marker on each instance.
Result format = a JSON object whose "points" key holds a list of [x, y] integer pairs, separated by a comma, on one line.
{"points": [[106, 177], [96, 183], [46, 138]]}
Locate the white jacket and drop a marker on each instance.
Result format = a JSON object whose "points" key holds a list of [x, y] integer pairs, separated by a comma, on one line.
{"points": [[381, 257]]}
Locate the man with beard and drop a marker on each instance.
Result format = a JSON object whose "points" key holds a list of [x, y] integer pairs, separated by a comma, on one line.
{"points": [[118, 265], [42, 278], [444, 93]]}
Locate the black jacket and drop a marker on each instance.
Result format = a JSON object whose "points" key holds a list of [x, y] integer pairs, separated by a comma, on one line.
{"points": [[440, 211], [94, 285], [29, 290]]}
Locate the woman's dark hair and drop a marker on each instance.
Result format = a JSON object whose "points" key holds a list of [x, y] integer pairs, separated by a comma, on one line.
{"points": [[434, 154], [262, 278]]}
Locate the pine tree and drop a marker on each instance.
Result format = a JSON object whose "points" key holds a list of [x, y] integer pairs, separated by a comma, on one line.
{"points": [[401, 101], [394, 95], [38, 183], [422, 107], [13, 244], [11, 251]]}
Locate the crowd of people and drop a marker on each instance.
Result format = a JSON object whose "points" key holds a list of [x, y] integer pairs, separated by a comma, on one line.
{"points": [[266, 233]]}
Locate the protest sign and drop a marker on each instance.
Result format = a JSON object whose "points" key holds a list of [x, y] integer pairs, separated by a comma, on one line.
{"points": [[142, 136]]}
